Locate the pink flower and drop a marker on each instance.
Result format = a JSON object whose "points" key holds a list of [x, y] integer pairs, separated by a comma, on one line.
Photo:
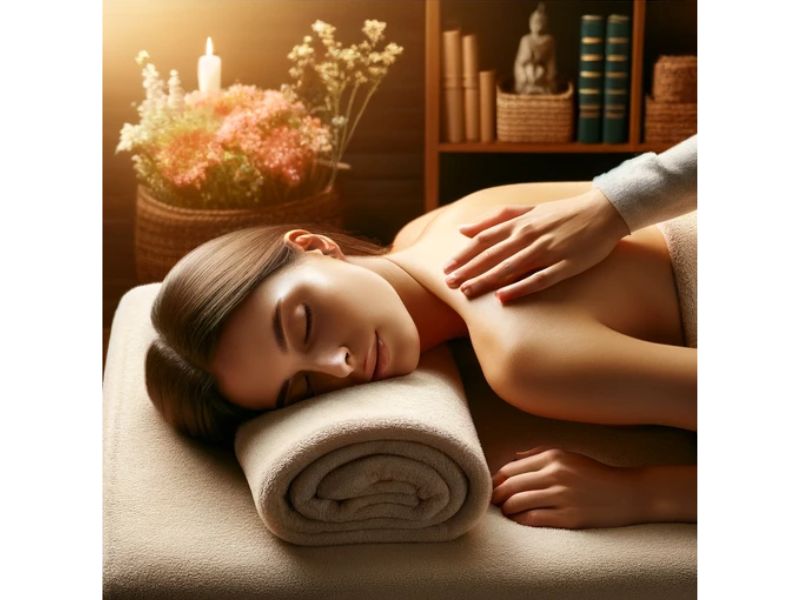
{"points": [[281, 139], [187, 157]]}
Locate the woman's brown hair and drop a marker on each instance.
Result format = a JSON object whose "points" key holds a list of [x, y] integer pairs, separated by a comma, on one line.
{"points": [[194, 302]]}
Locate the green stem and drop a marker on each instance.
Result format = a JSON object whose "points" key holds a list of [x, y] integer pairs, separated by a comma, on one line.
{"points": [[358, 117], [343, 134], [347, 127]]}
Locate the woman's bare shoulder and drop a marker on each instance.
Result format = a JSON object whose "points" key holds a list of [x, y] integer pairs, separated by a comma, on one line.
{"points": [[475, 205]]}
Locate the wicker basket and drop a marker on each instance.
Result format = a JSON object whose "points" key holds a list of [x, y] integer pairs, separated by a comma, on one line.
{"points": [[669, 122], [675, 79], [534, 117], [164, 234]]}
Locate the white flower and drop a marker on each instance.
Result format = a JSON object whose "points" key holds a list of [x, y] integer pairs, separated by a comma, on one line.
{"points": [[373, 29], [176, 94], [127, 137], [377, 72], [322, 29], [393, 49], [338, 121], [142, 57]]}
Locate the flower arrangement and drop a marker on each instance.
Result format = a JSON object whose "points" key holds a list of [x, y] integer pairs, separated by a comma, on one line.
{"points": [[248, 147], [338, 86]]}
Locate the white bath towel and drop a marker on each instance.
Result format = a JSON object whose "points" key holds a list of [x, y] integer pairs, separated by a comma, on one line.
{"points": [[390, 461], [681, 237]]}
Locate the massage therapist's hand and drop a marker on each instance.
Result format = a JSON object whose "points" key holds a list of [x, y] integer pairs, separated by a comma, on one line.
{"points": [[549, 487], [522, 249]]}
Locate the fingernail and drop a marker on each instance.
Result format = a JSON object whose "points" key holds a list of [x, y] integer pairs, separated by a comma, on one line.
{"points": [[452, 281], [450, 266], [467, 291]]}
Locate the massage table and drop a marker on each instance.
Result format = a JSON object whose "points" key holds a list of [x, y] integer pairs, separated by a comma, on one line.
{"points": [[180, 521]]}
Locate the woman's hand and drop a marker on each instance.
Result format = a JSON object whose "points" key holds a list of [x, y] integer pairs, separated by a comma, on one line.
{"points": [[526, 249], [549, 487]]}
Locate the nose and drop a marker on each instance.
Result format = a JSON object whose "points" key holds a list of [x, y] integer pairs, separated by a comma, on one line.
{"points": [[334, 361]]}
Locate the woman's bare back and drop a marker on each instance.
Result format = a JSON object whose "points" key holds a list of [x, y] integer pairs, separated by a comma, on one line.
{"points": [[632, 292]]}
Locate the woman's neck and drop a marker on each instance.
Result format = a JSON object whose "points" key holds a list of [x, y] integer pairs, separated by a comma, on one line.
{"points": [[436, 322]]}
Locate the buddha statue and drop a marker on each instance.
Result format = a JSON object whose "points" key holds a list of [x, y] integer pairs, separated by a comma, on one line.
{"points": [[535, 65]]}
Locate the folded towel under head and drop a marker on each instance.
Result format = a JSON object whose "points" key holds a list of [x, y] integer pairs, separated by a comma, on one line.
{"points": [[397, 460]]}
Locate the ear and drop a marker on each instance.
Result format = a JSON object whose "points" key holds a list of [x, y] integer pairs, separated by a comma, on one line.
{"points": [[305, 241]]}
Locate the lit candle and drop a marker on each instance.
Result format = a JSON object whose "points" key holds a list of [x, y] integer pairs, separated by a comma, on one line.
{"points": [[209, 69]]}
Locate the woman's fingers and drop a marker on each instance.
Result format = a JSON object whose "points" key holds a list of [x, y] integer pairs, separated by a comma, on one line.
{"points": [[534, 450], [528, 499], [533, 462], [545, 517], [504, 214], [536, 282], [523, 482]]}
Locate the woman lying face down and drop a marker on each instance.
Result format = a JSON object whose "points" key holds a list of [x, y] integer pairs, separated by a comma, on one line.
{"points": [[261, 318], [266, 317]]}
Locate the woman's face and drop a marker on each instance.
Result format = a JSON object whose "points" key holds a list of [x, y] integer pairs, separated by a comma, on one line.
{"points": [[317, 325]]}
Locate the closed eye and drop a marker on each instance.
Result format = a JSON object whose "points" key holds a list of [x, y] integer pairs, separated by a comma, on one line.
{"points": [[308, 323]]}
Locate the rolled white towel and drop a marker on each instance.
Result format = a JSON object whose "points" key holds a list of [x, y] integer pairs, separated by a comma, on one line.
{"points": [[397, 460]]}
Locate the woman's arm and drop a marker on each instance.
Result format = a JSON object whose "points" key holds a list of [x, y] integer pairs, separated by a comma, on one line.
{"points": [[552, 487], [580, 370]]}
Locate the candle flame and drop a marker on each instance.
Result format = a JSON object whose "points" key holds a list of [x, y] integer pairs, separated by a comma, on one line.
{"points": [[209, 46]]}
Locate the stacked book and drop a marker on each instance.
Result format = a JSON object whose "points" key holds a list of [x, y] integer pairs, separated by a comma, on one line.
{"points": [[604, 79], [468, 95]]}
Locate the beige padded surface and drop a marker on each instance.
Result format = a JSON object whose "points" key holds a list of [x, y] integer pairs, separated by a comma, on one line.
{"points": [[179, 519]]}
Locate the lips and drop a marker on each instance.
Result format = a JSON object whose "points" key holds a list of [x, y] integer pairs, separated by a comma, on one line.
{"points": [[381, 360], [371, 359], [377, 359]]}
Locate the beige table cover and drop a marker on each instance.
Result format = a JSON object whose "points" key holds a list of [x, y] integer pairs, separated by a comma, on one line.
{"points": [[180, 522]]}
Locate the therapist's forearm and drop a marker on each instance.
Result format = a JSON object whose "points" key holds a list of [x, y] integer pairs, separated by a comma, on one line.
{"points": [[653, 187]]}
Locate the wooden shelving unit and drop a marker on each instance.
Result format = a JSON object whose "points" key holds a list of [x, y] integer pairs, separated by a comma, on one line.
{"points": [[434, 147], [571, 147]]}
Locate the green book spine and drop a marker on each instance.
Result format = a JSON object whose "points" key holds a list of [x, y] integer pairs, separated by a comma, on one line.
{"points": [[590, 78], [617, 79]]}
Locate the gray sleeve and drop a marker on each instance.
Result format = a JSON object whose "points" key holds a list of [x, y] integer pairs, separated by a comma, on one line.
{"points": [[651, 188]]}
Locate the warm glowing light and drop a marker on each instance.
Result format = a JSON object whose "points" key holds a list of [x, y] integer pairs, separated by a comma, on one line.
{"points": [[209, 69]]}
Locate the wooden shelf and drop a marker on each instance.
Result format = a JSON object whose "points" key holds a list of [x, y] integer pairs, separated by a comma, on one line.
{"points": [[568, 148], [435, 148]]}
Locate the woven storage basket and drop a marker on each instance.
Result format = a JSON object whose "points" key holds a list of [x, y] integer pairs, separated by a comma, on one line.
{"points": [[164, 234], [534, 117], [675, 79], [669, 122]]}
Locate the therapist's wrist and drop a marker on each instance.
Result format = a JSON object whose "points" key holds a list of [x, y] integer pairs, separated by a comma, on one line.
{"points": [[607, 214]]}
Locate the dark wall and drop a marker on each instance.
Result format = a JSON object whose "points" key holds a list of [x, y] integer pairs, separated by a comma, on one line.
{"points": [[253, 37]]}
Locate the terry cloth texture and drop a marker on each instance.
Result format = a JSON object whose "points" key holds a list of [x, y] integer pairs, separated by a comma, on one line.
{"points": [[681, 237], [392, 461], [651, 187], [179, 520]]}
